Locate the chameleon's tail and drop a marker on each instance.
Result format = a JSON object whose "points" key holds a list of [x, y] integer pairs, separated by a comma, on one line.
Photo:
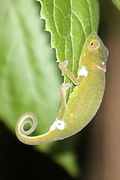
{"points": [[29, 118]]}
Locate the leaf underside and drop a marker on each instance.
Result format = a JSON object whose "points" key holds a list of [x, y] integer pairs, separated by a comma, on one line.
{"points": [[70, 22]]}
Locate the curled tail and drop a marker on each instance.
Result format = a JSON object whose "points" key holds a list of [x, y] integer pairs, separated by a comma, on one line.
{"points": [[57, 131], [52, 134]]}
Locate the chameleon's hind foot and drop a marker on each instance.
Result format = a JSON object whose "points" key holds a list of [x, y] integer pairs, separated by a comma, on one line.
{"points": [[65, 87], [63, 64]]}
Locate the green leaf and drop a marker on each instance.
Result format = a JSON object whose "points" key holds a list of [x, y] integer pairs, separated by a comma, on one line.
{"points": [[64, 153], [117, 3], [69, 23], [28, 78], [68, 160]]}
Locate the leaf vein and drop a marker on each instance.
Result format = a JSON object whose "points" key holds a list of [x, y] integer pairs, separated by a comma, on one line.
{"points": [[90, 13]]}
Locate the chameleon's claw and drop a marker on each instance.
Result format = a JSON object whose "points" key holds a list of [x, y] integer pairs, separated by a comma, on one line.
{"points": [[63, 64]]}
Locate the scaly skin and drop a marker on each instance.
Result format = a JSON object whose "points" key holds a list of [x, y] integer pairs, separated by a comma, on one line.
{"points": [[84, 101]]}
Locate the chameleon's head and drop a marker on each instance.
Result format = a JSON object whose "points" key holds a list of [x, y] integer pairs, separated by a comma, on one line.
{"points": [[96, 52]]}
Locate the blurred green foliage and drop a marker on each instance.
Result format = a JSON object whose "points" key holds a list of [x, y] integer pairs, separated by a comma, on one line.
{"points": [[117, 3]]}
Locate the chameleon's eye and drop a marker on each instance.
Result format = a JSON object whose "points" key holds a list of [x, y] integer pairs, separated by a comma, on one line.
{"points": [[94, 45]]}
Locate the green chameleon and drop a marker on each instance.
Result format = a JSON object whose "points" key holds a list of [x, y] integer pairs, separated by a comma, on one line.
{"points": [[84, 101]]}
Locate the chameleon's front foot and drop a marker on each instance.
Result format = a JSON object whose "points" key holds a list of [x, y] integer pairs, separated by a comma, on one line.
{"points": [[70, 75], [63, 65]]}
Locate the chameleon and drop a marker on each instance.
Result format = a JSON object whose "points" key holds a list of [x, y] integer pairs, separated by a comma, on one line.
{"points": [[83, 102]]}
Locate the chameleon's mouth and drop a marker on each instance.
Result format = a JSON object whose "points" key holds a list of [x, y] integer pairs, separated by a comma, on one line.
{"points": [[101, 68]]}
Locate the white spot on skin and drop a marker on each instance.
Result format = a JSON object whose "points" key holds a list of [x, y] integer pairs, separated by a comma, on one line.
{"points": [[83, 71], [59, 124]]}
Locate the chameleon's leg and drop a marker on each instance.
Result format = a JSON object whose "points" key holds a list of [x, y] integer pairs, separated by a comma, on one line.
{"points": [[70, 75], [63, 89]]}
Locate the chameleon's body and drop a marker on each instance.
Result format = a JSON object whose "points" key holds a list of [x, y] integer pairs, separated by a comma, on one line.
{"points": [[84, 100]]}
